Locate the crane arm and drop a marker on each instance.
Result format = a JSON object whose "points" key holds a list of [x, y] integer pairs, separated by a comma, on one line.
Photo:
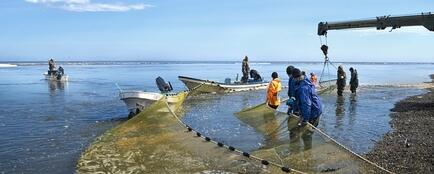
{"points": [[381, 23]]}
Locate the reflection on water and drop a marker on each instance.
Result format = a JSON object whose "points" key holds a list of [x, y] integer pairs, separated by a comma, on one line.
{"points": [[298, 138], [56, 85], [340, 110], [352, 109]]}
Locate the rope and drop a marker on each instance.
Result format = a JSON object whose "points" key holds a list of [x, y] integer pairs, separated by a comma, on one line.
{"points": [[339, 144], [263, 161], [231, 148]]}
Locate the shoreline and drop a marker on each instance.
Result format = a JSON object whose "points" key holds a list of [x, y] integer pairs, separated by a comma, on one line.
{"points": [[408, 147]]}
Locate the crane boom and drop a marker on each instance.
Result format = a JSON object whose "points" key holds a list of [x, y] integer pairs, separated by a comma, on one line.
{"points": [[381, 23]]}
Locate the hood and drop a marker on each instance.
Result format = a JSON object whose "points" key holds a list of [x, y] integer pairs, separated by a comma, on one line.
{"points": [[303, 82]]}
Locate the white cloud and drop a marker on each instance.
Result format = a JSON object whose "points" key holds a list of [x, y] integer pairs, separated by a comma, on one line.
{"points": [[88, 6]]}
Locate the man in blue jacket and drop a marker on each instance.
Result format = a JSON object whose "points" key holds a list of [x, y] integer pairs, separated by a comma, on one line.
{"points": [[306, 99], [291, 91]]}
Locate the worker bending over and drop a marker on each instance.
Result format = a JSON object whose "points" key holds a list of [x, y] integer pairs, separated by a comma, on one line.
{"points": [[306, 99], [255, 75], [274, 87]]}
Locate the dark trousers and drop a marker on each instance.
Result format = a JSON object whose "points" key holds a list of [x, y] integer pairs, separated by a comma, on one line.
{"points": [[314, 121], [245, 78]]}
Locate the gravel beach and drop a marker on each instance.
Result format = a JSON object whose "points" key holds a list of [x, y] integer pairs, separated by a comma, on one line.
{"points": [[408, 148]]}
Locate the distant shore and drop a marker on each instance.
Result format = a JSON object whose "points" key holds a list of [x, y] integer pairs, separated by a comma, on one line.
{"points": [[409, 147]]}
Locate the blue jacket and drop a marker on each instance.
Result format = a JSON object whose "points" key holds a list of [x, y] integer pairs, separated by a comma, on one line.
{"points": [[291, 93], [291, 87], [307, 100]]}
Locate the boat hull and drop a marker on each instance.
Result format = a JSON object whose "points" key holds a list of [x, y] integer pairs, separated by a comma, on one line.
{"points": [[137, 101], [207, 86], [64, 78]]}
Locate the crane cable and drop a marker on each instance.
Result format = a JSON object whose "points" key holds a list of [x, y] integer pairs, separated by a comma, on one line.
{"points": [[327, 62]]}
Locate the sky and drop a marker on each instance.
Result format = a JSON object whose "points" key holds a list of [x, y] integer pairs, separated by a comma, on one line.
{"points": [[211, 30]]}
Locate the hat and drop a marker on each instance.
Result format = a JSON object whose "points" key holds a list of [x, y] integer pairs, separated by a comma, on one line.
{"points": [[351, 69], [296, 73], [289, 69], [274, 75]]}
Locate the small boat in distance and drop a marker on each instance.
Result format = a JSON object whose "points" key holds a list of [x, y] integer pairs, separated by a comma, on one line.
{"points": [[54, 74], [217, 87]]}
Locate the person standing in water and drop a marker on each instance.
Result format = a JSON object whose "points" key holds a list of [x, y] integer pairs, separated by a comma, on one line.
{"points": [[307, 100], [273, 90], [313, 79], [291, 90], [245, 69], [354, 81], [342, 77]]}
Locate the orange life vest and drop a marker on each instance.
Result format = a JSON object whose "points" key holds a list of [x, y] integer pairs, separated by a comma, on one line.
{"points": [[272, 92]]}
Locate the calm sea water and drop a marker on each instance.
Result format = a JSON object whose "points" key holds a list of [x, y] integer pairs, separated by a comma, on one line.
{"points": [[44, 127]]}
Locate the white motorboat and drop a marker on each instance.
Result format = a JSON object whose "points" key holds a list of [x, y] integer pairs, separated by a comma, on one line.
{"points": [[207, 86], [54, 76], [137, 101]]}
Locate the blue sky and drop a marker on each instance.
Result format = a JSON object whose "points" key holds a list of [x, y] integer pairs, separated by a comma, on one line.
{"points": [[281, 30]]}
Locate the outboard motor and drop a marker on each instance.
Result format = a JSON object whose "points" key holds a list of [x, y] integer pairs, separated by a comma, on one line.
{"points": [[162, 85], [255, 75]]}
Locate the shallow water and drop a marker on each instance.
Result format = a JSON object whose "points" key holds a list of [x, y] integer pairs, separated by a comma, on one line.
{"points": [[44, 127]]}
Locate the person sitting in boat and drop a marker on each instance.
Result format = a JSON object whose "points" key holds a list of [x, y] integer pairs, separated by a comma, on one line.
{"points": [[313, 79], [307, 100], [255, 75], [61, 71], [162, 85], [51, 67], [274, 87], [245, 69]]}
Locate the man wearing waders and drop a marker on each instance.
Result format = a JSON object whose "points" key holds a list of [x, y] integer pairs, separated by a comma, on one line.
{"points": [[354, 81], [245, 69], [291, 91], [341, 80], [306, 99]]}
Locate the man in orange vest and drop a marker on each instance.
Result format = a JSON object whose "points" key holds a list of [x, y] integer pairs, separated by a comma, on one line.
{"points": [[273, 90]]}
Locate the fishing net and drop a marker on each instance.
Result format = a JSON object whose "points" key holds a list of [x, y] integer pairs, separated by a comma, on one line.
{"points": [[156, 142], [159, 142], [304, 148]]}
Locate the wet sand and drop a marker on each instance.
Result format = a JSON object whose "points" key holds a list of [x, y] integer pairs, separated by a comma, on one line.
{"points": [[409, 147]]}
